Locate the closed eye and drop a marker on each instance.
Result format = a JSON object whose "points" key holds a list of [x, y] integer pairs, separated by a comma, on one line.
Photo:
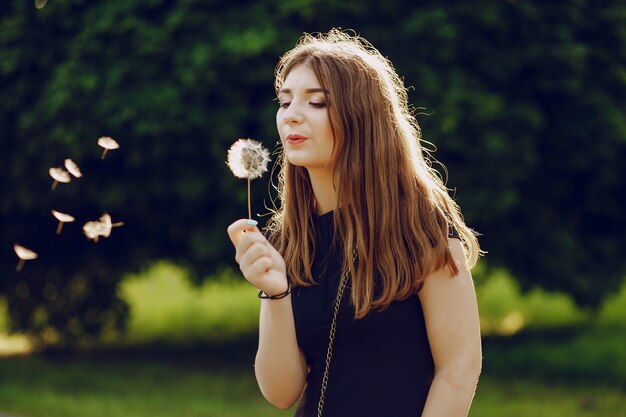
{"points": [[316, 104]]}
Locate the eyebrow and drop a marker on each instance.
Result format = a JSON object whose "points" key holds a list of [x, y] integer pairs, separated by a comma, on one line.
{"points": [[307, 91]]}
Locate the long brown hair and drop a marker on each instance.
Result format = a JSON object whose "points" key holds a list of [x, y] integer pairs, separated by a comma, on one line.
{"points": [[394, 208]]}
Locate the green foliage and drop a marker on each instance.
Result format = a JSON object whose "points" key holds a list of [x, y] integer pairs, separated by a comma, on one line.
{"points": [[165, 308], [613, 311], [504, 310], [3, 316], [527, 109], [526, 104], [576, 356]]}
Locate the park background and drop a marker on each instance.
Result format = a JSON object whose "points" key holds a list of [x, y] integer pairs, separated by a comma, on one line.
{"points": [[524, 101]]}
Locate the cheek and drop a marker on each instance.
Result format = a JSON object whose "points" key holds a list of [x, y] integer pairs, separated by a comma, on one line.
{"points": [[278, 127], [329, 131], [322, 123]]}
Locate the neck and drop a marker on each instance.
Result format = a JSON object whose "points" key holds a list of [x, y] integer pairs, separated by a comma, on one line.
{"points": [[325, 193]]}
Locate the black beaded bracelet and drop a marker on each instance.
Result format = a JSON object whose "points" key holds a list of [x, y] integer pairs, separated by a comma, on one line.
{"points": [[277, 296]]}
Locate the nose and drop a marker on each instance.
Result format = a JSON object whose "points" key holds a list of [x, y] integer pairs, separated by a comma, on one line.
{"points": [[292, 115]]}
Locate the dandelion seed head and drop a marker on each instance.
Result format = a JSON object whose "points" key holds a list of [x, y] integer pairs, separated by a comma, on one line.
{"points": [[247, 158]]}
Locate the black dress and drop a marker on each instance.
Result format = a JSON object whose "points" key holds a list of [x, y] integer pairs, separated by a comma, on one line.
{"points": [[381, 364]]}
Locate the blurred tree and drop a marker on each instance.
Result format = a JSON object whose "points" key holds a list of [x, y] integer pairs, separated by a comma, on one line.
{"points": [[531, 124], [526, 103]]}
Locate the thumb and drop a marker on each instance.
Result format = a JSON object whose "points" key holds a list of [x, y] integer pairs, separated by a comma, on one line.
{"points": [[236, 229]]}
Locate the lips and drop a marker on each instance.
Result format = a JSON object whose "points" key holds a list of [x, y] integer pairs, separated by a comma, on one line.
{"points": [[294, 139]]}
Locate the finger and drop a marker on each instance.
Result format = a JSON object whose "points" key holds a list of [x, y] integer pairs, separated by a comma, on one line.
{"points": [[256, 270], [235, 229], [252, 253], [246, 242]]}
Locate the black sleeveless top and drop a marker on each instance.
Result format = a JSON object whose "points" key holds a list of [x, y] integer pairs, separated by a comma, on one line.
{"points": [[381, 364]]}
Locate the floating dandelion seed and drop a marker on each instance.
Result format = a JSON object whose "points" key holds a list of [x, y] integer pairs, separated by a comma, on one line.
{"points": [[107, 224], [108, 144], [247, 158], [62, 218], [40, 4], [24, 255], [73, 168], [93, 230], [102, 227], [59, 175]]}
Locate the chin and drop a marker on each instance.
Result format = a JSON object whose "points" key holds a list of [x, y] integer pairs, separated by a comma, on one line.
{"points": [[298, 160]]}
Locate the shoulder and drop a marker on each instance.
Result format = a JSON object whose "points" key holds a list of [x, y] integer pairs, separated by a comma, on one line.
{"points": [[443, 281], [457, 251]]}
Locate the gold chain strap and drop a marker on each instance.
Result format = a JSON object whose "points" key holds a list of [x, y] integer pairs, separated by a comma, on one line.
{"points": [[331, 338]]}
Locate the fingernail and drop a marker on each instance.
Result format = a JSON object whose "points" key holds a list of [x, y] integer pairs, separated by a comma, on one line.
{"points": [[252, 222]]}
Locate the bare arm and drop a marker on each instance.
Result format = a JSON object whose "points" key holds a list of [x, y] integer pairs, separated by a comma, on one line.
{"points": [[280, 366], [451, 315]]}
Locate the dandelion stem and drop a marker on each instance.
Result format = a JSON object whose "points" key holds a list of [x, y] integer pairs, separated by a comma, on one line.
{"points": [[249, 207]]}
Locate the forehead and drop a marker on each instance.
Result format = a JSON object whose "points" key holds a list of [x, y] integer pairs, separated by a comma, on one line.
{"points": [[301, 77]]}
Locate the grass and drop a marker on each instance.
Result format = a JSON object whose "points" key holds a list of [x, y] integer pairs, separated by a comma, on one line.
{"points": [[152, 385], [95, 387], [543, 356], [517, 397]]}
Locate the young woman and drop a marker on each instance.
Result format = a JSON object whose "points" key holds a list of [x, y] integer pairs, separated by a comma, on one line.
{"points": [[368, 304]]}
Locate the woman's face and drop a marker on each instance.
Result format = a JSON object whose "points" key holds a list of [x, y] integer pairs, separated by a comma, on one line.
{"points": [[302, 120]]}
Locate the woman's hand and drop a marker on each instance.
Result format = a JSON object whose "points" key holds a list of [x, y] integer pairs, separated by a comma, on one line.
{"points": [[259, 262]]}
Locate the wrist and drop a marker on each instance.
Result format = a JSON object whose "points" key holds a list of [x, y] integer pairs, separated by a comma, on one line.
{"points": [[275, 295]]}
